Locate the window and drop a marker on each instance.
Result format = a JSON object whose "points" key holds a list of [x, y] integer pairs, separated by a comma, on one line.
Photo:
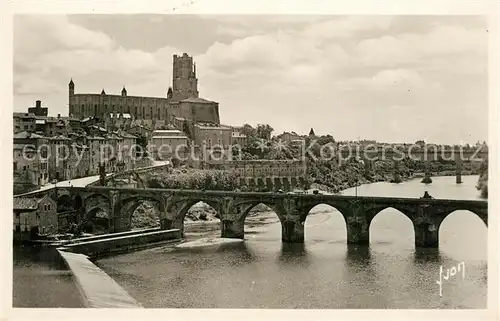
{"points": [[48, 207], [45, 207], [25, 126]]}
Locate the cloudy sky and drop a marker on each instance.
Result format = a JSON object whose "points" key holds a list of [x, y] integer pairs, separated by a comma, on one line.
{"points": [[395, 79]]}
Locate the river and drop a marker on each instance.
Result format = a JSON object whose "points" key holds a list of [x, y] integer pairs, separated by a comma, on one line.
{"points": [[324, 272]]}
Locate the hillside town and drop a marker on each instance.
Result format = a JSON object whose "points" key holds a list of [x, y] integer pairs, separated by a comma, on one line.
{"points": [[105, 134], [134, 129]]}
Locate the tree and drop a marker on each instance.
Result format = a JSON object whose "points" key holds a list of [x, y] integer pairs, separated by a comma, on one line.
{"points": [[264, 131], [248, 131], [482, 184]]}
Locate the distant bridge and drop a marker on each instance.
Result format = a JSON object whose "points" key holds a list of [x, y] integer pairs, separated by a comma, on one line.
{"points": [[426, 214], [424, 154]]}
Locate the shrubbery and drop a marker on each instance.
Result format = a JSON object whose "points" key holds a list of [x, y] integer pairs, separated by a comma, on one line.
{"points": [[482, 183], [194, 179]]}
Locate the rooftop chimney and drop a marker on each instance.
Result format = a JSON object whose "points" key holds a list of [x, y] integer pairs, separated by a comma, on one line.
{"points": [[38, 103], [58, 115]]}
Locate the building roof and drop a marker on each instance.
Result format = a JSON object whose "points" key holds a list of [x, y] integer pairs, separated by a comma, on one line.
{"points": [[197, 100], [167, 131], [23, 115], [60, 137], [28, 203], [141, 126], [125, 115], [125, 181], [95, 138], [114, 136], [128, 96], [212, 126], [127, 135], [170, 137], [98, 128], [87, 119], [26, 134], [238, 134]]}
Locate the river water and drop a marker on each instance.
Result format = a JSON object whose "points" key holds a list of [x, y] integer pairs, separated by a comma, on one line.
{"points": [[324, 272]]}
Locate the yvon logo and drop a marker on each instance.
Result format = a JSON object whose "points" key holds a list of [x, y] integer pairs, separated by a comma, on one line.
{"points": [[449, 273]]}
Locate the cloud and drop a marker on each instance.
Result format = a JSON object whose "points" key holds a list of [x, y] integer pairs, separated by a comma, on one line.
{"points": [[413, 48], [342, 27], [389, 80]]}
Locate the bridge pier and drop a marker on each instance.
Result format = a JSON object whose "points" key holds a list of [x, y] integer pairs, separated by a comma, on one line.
{"points": [[426, 235], [232, 229], [169, 224], [292, 231], [358, 233], [458, 170]]}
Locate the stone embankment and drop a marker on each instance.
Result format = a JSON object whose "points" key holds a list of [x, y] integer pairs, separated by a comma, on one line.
{"points": [[98, 290]]}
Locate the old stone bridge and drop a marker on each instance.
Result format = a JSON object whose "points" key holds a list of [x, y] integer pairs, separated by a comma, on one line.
{"points": [[119, 204]]}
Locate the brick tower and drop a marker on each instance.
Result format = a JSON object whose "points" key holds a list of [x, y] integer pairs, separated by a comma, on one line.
{"points": [[185, 83]]}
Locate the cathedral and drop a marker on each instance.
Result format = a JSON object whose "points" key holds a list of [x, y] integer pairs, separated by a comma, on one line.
{"points": [[182, 100]]}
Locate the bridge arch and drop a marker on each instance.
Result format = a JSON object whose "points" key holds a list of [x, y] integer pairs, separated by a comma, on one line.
{"points": [[482, 214], [372, 211], [97, 221], [64, 203], [391, 224], [125, 212], [464, 229], [184, 207], [246, 220], [94, 199], [177, 208], [244, 209], [327, 221]]}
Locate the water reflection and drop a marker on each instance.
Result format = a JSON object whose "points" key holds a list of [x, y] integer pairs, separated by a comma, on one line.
{"points": [[293, 253], [236, 254], [358, 254], [427, 255], [27, 256]]}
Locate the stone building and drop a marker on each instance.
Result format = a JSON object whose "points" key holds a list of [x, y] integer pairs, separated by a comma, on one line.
{"points": [[181, 101], [24, 122], [34, 217], [288, 137], [169, 143], [30, 157], [126, 152], [140, 130], [37, 121], [269, 174], [239, 139], [117, 121], [59, 157], [212, 143], [212, 135], [38, 110]]}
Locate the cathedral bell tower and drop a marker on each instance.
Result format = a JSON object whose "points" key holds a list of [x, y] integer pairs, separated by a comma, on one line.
{"points": [[71, 99], [185, 83]]}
